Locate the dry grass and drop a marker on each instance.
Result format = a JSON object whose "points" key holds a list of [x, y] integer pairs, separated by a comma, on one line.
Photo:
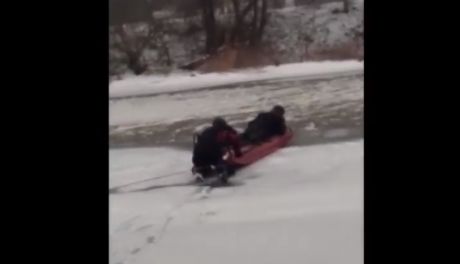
{"points": [[231, 57]]}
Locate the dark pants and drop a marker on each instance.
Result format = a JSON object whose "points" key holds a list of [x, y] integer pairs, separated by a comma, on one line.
{"points": [[211, 170], [208, 162]]}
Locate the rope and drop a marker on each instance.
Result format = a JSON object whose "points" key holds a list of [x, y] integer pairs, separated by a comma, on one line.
{"points": [[149, 179]]}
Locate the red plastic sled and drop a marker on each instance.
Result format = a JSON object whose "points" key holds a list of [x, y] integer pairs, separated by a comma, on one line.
{"points": [[253, 153]]}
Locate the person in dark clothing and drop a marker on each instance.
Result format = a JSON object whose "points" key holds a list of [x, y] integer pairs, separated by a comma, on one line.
{"points": [[265, 126], [210, 146]]}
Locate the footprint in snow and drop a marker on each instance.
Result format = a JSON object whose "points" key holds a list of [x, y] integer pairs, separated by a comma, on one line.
{"points": [[151, 239], [136, 250]]}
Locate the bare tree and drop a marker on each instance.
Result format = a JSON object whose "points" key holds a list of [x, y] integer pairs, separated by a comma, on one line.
{"points": [[246, 27], [255, 21], [252, 30], [278, 3], [186, 8], [209, 24], [263, 21], [346, 6], [237, 32], [133, 44]]}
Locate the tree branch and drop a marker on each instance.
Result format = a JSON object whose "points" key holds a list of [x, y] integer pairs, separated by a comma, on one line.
{"points": [[248, 7], [263, 20], [237, 23], [255, 21]]}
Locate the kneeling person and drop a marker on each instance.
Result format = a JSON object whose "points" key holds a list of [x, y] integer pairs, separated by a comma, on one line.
{"points": [[210, 146]]}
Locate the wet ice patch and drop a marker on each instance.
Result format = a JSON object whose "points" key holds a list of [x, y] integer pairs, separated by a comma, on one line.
{"points": [[142, 85], [336, 133], [298, 99]]}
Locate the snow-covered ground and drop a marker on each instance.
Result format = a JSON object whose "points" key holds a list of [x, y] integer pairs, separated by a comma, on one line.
{"points": [[151, 85], [303, 204], [299, 205], [299, 99], [298, 94], [316, 32]]}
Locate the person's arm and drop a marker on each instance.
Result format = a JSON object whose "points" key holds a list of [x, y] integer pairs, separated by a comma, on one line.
{"points": [[227, 138], [235, 143]]}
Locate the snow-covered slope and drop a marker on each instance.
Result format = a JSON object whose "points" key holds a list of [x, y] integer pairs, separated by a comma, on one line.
{"points": [[149, 85], [300, 100], [300, 205]]}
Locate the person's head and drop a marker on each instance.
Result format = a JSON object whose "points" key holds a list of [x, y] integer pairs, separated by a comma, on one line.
{"points": [[219, 122], [278, 110]]}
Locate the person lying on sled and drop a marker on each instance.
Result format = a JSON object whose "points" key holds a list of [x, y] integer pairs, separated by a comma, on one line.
{"points": [[210, 146], [265, 126]]}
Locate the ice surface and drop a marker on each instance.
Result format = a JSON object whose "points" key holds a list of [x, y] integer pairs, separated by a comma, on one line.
{"points": [[142, 85], [299, 205]]}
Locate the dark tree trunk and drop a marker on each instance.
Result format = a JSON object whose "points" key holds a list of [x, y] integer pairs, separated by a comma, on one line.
{"points": [[255, 22], [259, 20], [248, 8], [237, 21], [133, 51], [209, 23], [263, 20], [239, 31], [249, 20], [346, 6]]}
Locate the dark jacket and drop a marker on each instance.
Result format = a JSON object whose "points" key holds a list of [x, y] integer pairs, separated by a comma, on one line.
{"points": [[211, 144], [265, 126]]}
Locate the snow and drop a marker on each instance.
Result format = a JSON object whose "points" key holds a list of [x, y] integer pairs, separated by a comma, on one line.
{"points": [[336, 133], [310, 127], [316, 32], [299, 205], [148, 85], [137, 164], [299, 98], [331, 28]]}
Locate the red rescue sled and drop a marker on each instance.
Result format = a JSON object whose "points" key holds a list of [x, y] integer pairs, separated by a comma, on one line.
{"points": [[253, 153]]}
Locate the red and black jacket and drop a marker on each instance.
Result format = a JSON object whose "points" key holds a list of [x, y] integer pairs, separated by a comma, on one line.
{"points": [[213, 141]]}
